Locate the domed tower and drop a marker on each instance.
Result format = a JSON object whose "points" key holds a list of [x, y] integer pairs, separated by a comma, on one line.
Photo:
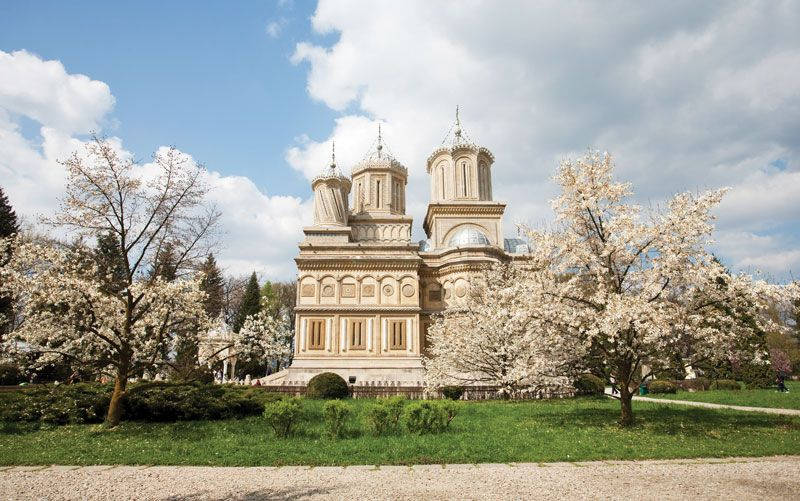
{"points": [[462, 212], [331, 192], [379, 197]]}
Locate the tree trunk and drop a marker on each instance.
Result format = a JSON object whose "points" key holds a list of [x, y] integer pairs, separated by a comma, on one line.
{"points": [[115, 407], [625, 397]]}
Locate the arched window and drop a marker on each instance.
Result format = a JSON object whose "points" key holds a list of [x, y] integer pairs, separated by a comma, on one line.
{"points": [[441, 181], [464, 178]]}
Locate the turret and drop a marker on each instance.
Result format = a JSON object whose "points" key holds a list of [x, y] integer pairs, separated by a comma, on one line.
{"points": [[331, 191], [379, 182]]}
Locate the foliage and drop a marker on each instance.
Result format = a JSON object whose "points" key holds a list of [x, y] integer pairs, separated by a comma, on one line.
{"points": [[264, 338], [8, 227], [637, 289], [658, 386], [725, 384], [164, 402], [336, 414], [213, 285], [251, 303], [589, 384], [283, 415], [453, 392], [450, 410], [695, 384], [490, 337], [58, 404], [426, 417], [780, 362], [11, 374], [384, 416], [327, 385]]}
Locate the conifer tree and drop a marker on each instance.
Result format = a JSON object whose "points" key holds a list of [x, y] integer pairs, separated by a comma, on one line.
{"points": [[251, 303], [165, 265], [8, 226], [213, 285]]}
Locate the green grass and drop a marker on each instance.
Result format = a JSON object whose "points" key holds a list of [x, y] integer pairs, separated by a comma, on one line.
{"points": [[537, 431], [752, 398]]}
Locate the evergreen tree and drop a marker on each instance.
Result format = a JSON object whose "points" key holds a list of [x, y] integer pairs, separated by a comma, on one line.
{"points": [[213, 285], [251, 303], [111, 267], [165, 263], [8, 226]]}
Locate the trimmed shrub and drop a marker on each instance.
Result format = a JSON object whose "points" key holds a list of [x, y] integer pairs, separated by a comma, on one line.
{"points": [[425, 417], [336, 414], [384, 416], [283, 415], [58, 404], [696, 384], [167, 402], [11, 374], [450, 410], [589, 384], [726, 384], [453, 392], [660, 387], [327, 385]]}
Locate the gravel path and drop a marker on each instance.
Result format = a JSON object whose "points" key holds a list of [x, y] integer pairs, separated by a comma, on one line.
{"points": [[708, 405], [740, 478]]}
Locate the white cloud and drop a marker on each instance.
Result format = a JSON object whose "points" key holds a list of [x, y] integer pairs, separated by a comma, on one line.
{"points": [[686, 96], [275, 27], [261, 231]]}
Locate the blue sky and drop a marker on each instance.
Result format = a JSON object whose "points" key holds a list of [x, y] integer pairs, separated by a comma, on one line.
{"points": [[206, 77], [687, 96]]}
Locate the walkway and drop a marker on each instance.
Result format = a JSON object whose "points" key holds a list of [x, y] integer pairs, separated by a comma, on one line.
{"points": [[768, 410], [739, 478]]}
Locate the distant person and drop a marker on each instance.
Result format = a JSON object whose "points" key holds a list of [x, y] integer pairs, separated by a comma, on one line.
{"points": [[782, 383]]}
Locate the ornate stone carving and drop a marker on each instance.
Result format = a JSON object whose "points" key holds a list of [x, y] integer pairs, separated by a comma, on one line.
{"points": [[327, 290], [307, 290], [348, 290], [461, 290], [368, 290], [435, 295], [388, 290], [408, 290]]}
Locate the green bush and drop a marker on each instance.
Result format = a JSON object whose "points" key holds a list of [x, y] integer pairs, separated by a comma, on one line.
{"points": [[453, 392], [283, 415], [11, 374], [589, 384], [726, 384], [755, 375], [58, 404], [384, 416], [425, 417], [696, 384], [327, 385], [167, 402], [451, 411], [659, 386], [337, 414]]}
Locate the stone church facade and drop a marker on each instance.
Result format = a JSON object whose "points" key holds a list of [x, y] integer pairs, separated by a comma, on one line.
{"points": [[365, 290]]}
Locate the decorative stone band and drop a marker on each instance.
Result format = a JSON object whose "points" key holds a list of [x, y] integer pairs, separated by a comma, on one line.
{"points": [[452, 150], [356, 264], [377, 308]]}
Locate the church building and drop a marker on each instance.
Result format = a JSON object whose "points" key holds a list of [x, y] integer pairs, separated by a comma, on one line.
{"points": [[365, 291]]}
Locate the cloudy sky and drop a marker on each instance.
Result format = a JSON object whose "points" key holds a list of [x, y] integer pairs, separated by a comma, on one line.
{"points": [[685, 95]]}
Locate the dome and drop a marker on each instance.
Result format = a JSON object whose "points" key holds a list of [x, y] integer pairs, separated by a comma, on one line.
{"points": [[425, 245], [468, 236]]}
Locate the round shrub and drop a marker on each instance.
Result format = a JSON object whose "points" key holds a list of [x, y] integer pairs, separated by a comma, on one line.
{"points": [[337, 414], [426, 417], [384, 416], [283, 415], [452, 392], [327, 385], [726, 384], [695, 384], [659, 386], [589, 384]]}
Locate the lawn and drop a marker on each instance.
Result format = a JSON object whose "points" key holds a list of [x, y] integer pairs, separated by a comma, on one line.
{"points": [[534, 431], [752, 398]]}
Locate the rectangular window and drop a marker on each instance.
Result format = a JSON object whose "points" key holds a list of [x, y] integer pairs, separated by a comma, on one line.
{"points": [[357, 334], [378, 194], [397, 334], [316, 334]]}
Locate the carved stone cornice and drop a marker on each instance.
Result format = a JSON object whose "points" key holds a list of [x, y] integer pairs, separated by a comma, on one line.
{"points": [[456, 148], [347, 308], [368, 264], [465, 209]]}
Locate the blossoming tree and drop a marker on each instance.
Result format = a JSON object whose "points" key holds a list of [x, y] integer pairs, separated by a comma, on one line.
{"points": [[635, 287], [124, 319], [492, 337]]}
